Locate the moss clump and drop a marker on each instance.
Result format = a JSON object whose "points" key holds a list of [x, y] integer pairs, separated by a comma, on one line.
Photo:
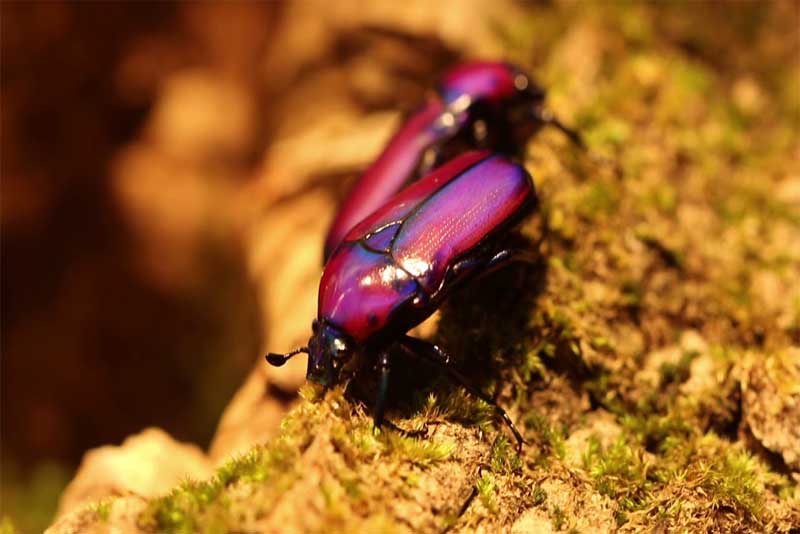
{"points": [[486, 487], [194, 505], [102, 509], [677, 373], [422, 453], [620, 472], [549, 438], [187, 507], [504, 457], [326, 432], [558, 517]]}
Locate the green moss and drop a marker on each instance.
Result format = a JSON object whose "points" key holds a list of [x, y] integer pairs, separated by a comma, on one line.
{"points": [[539, 496], [734, 479], [604, 387], [458, 406], [31, 498], [716, 472], [103, 509], [182, 509], [677, 373], [420, 452], [486, 487], [551, 439], [620, 472], [532, 365], [632, 293], [655, 431], [558, 518], [504, 458], [614, 133]]}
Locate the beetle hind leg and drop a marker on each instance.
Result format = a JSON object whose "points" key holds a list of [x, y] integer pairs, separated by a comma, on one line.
{"points": [[510, 255], [436, 356], [482, 265]]}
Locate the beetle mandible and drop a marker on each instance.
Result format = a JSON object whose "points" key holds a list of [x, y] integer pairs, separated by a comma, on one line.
{"points": [[397, 266], [484, 104]]}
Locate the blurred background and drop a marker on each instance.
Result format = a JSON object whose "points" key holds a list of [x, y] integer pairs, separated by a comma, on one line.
{"points": [[141, 141], [124, 301]]}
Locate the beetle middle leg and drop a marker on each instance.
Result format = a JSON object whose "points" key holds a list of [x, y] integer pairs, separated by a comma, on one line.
{"points": [[433, 354]]}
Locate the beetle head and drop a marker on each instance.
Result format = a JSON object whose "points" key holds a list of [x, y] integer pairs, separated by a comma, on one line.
{"points": [[523, 111], [330, 355], [498, 94], [527, 112]]}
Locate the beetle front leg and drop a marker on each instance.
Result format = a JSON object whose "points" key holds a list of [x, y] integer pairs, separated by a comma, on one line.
{"points": [[380, 401], [383, 389], [433, 354]]}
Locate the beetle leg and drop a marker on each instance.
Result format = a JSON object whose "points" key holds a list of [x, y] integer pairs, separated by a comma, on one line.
{"points": [[474, 492], [487, 264], [510, 255], [383, 389], [380, 402], [433, 354]]}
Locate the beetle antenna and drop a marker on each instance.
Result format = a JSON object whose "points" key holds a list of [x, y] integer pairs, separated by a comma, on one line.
{"points": [[279, 359], [546, 117]]}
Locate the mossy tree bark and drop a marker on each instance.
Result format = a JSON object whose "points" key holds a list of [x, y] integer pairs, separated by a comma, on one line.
{"points": [[652, 357]]}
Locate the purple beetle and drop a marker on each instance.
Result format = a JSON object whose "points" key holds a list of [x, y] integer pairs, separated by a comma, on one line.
{"points": [[490, 105], [394, 268]]}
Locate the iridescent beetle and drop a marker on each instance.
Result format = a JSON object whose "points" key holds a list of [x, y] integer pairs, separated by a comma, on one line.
{"points": [[397, 266], [490, 105]]}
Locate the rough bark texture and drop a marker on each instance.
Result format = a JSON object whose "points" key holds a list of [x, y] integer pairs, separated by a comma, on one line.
{"points": [[652, 358]]}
